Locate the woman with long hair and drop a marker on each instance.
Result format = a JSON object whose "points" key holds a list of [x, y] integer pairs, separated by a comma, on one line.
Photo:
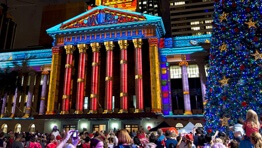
{"points": [[256, 140]]}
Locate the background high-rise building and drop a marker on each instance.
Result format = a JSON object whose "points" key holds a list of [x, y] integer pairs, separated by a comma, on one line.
{"points": [[191, 17], [7, 28], [148, 6]]}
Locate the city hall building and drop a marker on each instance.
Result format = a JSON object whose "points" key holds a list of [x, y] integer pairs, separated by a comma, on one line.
{"points": [[108, 69]]}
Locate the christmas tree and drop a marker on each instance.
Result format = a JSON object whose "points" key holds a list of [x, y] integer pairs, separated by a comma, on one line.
{"points": [[235, 63]]}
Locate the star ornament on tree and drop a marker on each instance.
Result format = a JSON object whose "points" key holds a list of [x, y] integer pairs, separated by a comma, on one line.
{"points": [[224, 81], [223, 16], [257, 55], [223, 47], [224, 121], [251, 24]]}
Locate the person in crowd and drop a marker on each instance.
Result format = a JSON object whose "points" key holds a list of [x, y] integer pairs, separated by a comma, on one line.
{"points": [[198, 133], [218, 143], [256, 140], [17, 143], [251, 124], [238, 130], [96, 143], [171, 141], [234, 144], [110, 142], [124, 139], [208, 140], [33, 143], [152, 141], [137, 142], [2, 140], [87, 143], [52, 143], [55, 131], [74, 141], [161, 139], [189, 141]]}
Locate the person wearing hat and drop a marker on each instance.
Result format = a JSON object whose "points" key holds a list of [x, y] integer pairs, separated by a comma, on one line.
{"points": [[186, 142]]}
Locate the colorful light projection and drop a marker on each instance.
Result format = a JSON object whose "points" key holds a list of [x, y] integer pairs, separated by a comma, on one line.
{"points": [[81, 76], [165, 84], [123, 4]]}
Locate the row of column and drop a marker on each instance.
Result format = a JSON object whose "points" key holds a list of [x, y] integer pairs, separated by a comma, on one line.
{"points": [[34, 82], [95, 77], [184, 65]]}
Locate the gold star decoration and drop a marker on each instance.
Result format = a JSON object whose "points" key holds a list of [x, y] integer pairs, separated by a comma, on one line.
{"points": [[257, 55], [224, 81], [223, 47], [223, 16], [251, 24], [224, 121]]}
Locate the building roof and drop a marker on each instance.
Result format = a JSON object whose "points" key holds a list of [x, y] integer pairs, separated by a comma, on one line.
{"points": [[104, 18]]}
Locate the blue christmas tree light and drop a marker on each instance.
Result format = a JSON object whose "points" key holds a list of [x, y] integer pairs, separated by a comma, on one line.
{"points": [[235, 75]]}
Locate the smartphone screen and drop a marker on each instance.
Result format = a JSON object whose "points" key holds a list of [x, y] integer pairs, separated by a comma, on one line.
{"points": [[75, 134]]}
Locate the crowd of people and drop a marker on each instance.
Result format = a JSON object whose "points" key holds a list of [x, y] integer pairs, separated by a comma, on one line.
{"points": [[246, 135]]}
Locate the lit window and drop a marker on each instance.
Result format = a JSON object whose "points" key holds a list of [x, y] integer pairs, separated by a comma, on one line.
{"points": [[180, 3], [86, 103], [32, 128], [4, 128], [206, 69], [155, 6], [150, 5], [198, 125], [139, 3], [156, 14], [140, 8], [22, 81], [145, 12], [193, 71], [175, 72], [179, 125], [208, 32], [194, 23], [171, 4], [195, 28], [144, 2], [208, 21], [18, 128], [208, 27]]}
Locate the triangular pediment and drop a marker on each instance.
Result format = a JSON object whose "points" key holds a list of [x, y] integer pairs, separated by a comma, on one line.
{"points": [[103, 16]]}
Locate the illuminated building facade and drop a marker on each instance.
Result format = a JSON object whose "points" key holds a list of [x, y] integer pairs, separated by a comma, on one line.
{"points": [[108, 68], [122, 4], [191, 17]]}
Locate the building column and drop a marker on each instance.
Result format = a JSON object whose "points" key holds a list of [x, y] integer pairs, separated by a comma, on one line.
{"points": [[54, 80], [109, 77], [187, 104], [203, 79], [165, 84], [155, 76], [123, 77], [43, 93], [14, 103], [81, 78], [138, 75], [30, 95], [95, 79], [3, 105], [67, 80]]}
